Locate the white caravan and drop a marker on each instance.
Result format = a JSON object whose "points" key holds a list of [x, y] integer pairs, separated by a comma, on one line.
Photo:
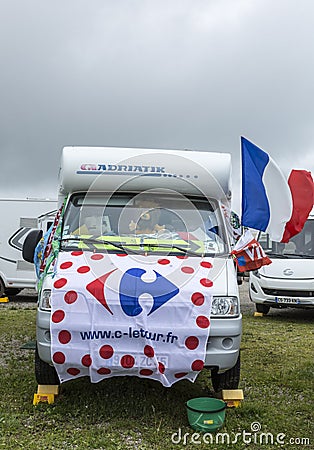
{"points": [[19, 215], [101, 187], [289, 280]]}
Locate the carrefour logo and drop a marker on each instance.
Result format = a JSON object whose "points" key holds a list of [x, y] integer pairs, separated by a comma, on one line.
{"points": [[131, 287]]}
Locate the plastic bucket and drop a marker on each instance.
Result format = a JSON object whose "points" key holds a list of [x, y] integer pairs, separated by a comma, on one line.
{"points": [[205, 413]]}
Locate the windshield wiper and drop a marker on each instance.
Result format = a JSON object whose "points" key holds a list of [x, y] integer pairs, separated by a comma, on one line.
{"points": [[96, 241], [276, 255], [299, 255], [176, 247]]}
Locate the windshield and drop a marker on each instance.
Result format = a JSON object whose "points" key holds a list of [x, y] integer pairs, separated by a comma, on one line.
{"points": [[153, 222], [301, 245]]}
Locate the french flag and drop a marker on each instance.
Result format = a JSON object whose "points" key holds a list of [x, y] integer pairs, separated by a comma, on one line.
{"points": [[270, 202]]}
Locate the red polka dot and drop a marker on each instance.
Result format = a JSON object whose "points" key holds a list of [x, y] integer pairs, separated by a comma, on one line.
{"points": [[206, 282], [197, 365], [197, 298], [86, 360], [83, 269], [127, 361], [121, 254], [79, 253], [73, 371], [187, 269], [149, 351], [192, 342], [60, 283], [202, 322], [146, 372], [58, 316], [66, 265], [97, 256], [64, 337], [106, 351], [163, 262], [70, 297], [58, 358], [206, 264], [182, 257], [161, 367], [104, 371], [180, 374]]}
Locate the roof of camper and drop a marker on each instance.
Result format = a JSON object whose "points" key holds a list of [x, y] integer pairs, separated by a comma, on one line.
{"points": [[136, 169]]}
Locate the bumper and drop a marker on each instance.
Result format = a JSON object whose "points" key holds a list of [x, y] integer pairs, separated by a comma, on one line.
{"points": [[224, 341], [282, 293], [222, 348]]}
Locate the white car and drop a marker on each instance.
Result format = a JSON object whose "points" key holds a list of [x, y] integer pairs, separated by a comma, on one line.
{"points": [[289, 280]]}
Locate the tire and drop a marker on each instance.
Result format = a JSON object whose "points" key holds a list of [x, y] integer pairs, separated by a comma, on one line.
{"points": [[227, 380], [10, 292], [2, 288], [261, 308], [44, 373]]}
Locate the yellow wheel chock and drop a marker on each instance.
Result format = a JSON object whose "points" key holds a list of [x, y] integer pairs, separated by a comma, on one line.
{"points": [[4, 299], [233, 397], [46, 393]]}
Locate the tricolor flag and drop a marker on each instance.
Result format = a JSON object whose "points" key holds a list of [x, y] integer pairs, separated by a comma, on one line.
{"points": [[270, 202]]}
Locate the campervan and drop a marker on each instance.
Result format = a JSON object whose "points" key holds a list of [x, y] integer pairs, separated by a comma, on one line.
{"points": [[19, 216], [151, 221], [289, 280]]}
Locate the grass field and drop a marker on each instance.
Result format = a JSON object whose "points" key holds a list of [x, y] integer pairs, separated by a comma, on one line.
{"points": [[131, 413]]}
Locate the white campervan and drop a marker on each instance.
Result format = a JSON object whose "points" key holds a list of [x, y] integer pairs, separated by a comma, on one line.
{"points": [[289, 280], [181, 201], [19, 216]]}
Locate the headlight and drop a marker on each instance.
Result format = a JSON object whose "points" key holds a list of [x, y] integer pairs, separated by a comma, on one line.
{"points": [[225, 306], [44, 302]]}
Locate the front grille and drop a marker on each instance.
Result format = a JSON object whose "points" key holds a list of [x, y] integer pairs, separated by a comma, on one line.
{"points": [[287, 293]]}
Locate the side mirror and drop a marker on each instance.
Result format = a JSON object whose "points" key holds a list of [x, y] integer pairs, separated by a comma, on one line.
{"points": [[30, 244]]}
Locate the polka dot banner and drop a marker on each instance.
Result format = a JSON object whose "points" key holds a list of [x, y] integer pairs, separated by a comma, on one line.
{"points": [[198, 298], [58, 316], [58, 284], [70, 297], [153, 325], [64, 337], [66, 265], [127, 361], [97, 256], [106, 351]]}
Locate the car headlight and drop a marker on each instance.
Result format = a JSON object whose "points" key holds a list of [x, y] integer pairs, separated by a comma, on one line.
{"points": [[225, 306], [44, 302]]}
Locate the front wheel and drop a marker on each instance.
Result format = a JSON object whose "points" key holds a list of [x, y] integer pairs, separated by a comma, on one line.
{"points": [[2, 288], [44, 373], [226, 380], [11, 292], [261, 308]]}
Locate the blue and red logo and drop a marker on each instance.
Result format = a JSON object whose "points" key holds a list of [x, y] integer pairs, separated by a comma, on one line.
{"points": [[131, 287]]}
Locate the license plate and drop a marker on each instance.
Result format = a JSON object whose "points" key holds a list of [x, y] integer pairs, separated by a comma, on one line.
{"points": [[140, 361], [289, 300]]}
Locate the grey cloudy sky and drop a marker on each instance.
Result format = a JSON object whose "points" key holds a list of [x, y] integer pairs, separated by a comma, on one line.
{"points": [[191, 74]]}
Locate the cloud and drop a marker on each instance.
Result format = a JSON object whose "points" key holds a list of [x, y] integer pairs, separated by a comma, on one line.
{"points": [[179, 74]]}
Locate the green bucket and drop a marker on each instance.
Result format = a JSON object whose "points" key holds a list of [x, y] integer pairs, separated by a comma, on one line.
{"points": [[205, 413]]}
